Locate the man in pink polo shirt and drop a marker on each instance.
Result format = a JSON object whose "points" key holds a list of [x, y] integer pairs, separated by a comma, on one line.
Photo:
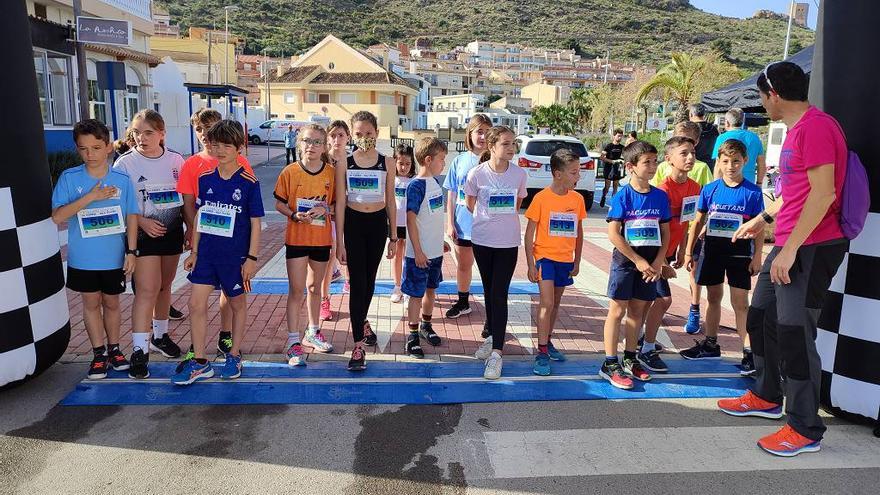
{"points": [[809, 248]]}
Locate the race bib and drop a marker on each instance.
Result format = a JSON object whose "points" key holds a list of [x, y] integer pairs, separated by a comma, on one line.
{"points": [[97, 222], [722, 224], [462, 197], [563, 224], [164, 196], [400, 191], [216, 221], [643, 232], [306, 205], [435, 201], [688, 209], [365, 185], [501, 201]]}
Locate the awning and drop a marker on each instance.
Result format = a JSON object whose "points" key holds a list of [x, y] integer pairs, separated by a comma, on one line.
{"points": [[121, 53]]}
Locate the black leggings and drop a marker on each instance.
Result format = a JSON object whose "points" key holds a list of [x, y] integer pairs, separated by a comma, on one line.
{"points": [[365, 235], [496, 269]]}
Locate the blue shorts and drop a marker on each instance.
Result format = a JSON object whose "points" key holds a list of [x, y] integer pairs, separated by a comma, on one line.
{"points": [[225, 277], [663, 289], [625, 283], [557, 271], [416, 280]]}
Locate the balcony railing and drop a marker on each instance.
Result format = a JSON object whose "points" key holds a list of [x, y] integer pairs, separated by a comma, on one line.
{"points": [[140, 8]]}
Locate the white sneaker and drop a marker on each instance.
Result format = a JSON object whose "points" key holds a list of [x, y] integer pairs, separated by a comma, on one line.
{"points": [[316, 340], [485, 349], [396, 295], [493, 367]]}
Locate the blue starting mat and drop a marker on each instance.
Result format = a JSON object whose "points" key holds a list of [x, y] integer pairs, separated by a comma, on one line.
{"points": [[384, 287]]}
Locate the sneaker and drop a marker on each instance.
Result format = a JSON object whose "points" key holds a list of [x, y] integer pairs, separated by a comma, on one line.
{"points": [[140, 362], [788, 443], [702, 351], [369, 337], [426, 330], [651, 360], [493, 367], [165, 346], [98, 367], [412, 347], [117, 360], [231, 368], [485, 333], [346, 288], [295, 355], [747, 365], [175, 314], [317, 341], [396, 295], [485, 350], [693, 322], [224, 343], [657, 345], [542, 364], [190, 354], [750, 404], [555, 354], [460, 308], [326, 314], [192, 372], [602, 202], [337, 276], [358, 361], [613, 372], [633, 368]]}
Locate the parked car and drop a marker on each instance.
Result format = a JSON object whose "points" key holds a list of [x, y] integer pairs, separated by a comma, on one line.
{"points": [[273, 130], [534, 157]]}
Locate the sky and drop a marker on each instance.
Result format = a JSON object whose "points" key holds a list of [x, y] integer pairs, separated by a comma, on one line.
{"points": [[745, 8]]}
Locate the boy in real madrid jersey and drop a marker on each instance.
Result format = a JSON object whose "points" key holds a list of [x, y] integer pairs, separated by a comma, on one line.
{"points": [[225, 246]]}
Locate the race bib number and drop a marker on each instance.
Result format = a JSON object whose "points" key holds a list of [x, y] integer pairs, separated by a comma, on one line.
{"points": [[164, 196], [435, 201], [643, 232], [688, 209], [722, 224], [366, 185], [216, 221], [97, 222], [462, 197], [502, 201], [306, 205], [563, 224], [400, 192]]}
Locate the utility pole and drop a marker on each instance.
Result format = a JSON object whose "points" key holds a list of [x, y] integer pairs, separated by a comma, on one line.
{"points": [[82, 79], [226, 10], [209, 57], [788, 31]]}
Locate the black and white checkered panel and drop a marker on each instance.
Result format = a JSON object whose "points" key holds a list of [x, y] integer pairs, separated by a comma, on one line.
{"points": [[848, 338], [34, 319]]}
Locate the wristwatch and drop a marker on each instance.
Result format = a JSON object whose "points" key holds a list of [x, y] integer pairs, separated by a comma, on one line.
{"points": [[132, 251], [767, 218], [293, 217]]}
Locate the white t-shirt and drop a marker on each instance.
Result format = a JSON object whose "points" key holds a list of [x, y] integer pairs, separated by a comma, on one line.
{"points": [[400, 184], [424, 197], [496, 219], [155, 184]]}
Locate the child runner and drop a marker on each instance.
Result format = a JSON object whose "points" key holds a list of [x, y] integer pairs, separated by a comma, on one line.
{"points": [[406, 169], [304, 194], [337, 143], [153, 170], [363, 211], [638, 226], [101, 209], [424, 245], [683, 194], [725, 205], [553, 242], [611, 170], [459, 218], [495, 189], [225, 247]]}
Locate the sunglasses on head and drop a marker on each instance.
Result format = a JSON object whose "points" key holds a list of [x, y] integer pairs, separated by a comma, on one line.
{"points": [[767, 75]]}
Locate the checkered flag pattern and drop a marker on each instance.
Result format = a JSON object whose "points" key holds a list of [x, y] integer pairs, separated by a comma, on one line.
{"points": [[848, 338], [34, 319]]}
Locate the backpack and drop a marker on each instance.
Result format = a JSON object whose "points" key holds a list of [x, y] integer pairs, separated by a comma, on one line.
{"points": [[855, 200]]}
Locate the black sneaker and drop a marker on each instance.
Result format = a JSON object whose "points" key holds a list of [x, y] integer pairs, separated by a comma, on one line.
{"points": [[358, 361], [427, 331], [657, 346], [117, 360], [651, 360], [98, 367], [412, 347], [702, 351], [165, 346], [224, 343], [747, 366], [602, 202], [140, 362], [460, 308], [369, 337], [175, 314], [485, 333]]}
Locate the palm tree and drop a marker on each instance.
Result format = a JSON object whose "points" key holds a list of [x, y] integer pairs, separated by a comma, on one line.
{"points": [[581, 106], [678, 80], [557, 117]]}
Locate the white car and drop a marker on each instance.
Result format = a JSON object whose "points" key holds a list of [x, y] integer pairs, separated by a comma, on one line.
{"points": [[273, 130], [534, 157]]}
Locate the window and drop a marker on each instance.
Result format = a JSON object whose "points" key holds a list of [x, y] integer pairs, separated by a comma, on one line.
{"points": [[546, 148], [132, 103], [97, 104], [386, 100], [248, 67], [348, 98], [331, 66], [323, 97], [289, 97], [54, 87], [289, 116], [39, 10], [311, 97]]}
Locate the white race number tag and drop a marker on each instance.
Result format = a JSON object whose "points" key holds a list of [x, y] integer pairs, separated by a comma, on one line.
{"points": [[366, 185], [97, 222], [502, 201], [435, 201], [216, 221], [643, 232], [723, 224], [563, 224], [688, 209], [164, 196], [306, 205]]}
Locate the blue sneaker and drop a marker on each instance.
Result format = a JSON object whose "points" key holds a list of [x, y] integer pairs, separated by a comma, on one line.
{"points": [[192, 371], [542, 364], [692, 326], [555, 354], [232, 368]]}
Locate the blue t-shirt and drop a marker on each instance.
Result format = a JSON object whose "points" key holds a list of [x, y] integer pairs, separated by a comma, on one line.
{"points": [[290, 139], [641, 215], [754, 148], [424, 197], [239, 193], [727, 208], [105, 252], [456, 176]]}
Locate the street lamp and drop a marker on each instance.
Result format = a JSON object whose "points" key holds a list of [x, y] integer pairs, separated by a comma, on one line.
{"points": [[226, 10]]}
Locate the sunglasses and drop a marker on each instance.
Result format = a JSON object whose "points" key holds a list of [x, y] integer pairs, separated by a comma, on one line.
{"points": [[767, 75], [313, 142]]}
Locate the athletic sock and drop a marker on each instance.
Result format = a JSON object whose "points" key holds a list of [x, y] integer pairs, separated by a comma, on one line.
{"points": [[629, 354], [160, 328], [711, 341], [647, 346], [292, 338], [141, 339], [426, 318], [99, 351], [542, 349], [312, 330], [610, 359], [747, 350], [463, 298], [413, 327], [111, 348], [695, 307]]}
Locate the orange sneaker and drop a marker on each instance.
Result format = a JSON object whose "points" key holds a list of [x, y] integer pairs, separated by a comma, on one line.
{"points": [[750, 405], [788, 443]]}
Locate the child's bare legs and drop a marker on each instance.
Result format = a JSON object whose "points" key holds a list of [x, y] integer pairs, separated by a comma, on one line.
{"points": [[93, 320], [654, 318], [739, 300], [465, 269], [328, 274], [296, 276], [163, 299], [198, 310], [616, 310], [399, 254], [317, 270], [112, 317], [635, 315], [713, 310], [226, 318], [238, 308], [548, 308]]}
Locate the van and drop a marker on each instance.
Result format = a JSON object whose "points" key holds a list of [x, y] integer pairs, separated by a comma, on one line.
{"points": [[273, 130]]}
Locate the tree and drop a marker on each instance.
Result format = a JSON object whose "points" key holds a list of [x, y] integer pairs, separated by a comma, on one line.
{"points": [[722, 46], [558, 118], [581, 106]]}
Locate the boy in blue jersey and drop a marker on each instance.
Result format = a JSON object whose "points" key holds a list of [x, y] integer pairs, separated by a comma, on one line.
{"points": [[724, 205], [638, 226], [101, 209], [226, 243]]}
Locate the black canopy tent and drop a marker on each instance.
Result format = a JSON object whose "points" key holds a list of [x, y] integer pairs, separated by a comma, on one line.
{"points": [[744, 94]]}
